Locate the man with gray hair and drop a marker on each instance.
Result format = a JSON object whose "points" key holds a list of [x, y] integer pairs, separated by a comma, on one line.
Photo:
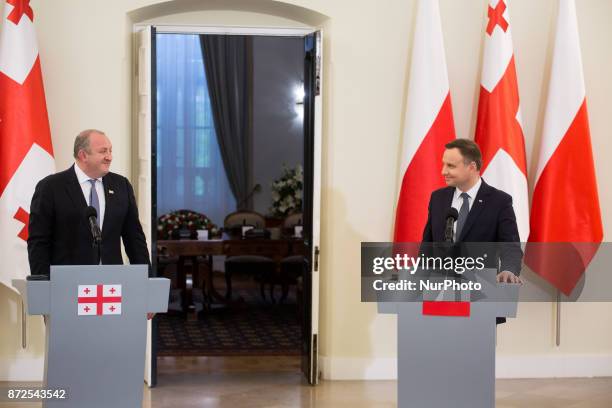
{"points": [[59, 231]]}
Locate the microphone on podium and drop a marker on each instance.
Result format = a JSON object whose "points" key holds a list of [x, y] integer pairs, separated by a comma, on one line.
{"points": [[92, 217], [451, 216]]}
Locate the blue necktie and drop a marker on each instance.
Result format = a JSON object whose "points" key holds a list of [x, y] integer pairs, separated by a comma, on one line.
{"points": [[93, 199], [463, 214]]}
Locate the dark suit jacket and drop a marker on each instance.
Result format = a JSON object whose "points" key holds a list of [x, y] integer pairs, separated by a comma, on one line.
{"points": [[59, 233], [491, 220]]}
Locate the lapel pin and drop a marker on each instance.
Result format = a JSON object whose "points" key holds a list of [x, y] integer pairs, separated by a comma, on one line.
{"points": [[111, 192], [480, 201]]}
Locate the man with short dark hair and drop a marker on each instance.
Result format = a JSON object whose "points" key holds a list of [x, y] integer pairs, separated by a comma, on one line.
{"points": [[59, 233], [485, 213]]}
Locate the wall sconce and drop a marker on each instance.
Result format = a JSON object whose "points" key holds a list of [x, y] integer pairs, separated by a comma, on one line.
{"points": [[298, 95]]}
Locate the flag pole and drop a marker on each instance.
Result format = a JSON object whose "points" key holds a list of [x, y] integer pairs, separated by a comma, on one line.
{"points": [[24, 334], [558, 341]]}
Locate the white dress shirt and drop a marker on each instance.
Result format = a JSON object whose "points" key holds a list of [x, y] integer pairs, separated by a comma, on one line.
{"points": [[86, 187], [458, 201]]}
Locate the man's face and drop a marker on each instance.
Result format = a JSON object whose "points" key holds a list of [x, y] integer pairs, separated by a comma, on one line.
{"points": [[96, 162], [456, 173]]}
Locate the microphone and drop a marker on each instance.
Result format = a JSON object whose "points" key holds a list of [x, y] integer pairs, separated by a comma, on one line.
{"points": [[451, 216], [91, 214]]}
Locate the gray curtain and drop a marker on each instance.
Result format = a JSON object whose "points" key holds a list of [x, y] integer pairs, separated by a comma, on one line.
{"points": [[228, 62]]}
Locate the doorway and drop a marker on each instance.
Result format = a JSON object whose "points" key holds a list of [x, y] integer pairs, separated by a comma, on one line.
{"points": [[191, 169]]}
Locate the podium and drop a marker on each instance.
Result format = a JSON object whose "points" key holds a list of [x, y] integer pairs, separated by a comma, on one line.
{"points": [[96, 330], [449, 361]]}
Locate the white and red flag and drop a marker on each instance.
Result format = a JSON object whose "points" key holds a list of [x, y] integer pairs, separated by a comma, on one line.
{"points": [[499, 131], [428, 125], [565, 212], [98, 300], [26, 152]]}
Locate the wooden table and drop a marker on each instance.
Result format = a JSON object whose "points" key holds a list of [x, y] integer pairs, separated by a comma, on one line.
{"points": [[275, 249]]}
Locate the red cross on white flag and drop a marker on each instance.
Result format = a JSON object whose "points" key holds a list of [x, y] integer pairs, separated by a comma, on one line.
{"points": [[98, 300], [499, 131], [26, 152]]}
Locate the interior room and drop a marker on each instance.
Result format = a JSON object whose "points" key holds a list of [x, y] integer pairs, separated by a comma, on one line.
{"points": [[251, 305], [331, 99]]}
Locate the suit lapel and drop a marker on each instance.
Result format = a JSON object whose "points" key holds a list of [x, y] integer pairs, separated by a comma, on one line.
{"points": [[477, 207], [448, 199], [109, 198], [75, 192], [447, 202]]}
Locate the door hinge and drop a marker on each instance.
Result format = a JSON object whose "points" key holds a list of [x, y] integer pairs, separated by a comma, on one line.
{"points": [[316, 259]]}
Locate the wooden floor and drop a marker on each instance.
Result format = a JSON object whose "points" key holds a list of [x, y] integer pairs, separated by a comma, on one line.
{"points": [[275, 382]]}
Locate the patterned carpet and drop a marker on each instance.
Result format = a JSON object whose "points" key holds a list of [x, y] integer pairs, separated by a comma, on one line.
{"points": [[255, 328]]}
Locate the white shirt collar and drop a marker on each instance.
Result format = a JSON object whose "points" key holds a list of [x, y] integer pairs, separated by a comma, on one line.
{"points": [[472, 191], [81, 176]]}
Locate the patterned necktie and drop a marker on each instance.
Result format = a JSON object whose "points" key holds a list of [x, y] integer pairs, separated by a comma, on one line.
{"points": [[93, 199], [463, 214]]}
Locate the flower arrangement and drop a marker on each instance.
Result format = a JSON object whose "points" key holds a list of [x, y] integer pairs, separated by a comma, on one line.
{"points": [[169, 225], [287, 191]]}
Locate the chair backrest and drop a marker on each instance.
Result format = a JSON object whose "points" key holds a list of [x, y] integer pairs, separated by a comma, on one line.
{"points": [[292, 220], [238, 218]]}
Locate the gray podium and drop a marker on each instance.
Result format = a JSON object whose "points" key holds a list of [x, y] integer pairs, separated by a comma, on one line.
{"points": [[96, 329], [448, 361]]}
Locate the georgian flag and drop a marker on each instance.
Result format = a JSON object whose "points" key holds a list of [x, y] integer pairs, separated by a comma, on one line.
{"points": [[98, 300], [26, 152], [499, 131]]}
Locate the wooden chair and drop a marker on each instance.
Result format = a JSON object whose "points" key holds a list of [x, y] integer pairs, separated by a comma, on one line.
{"points": [[290, 222], [254, 257]]}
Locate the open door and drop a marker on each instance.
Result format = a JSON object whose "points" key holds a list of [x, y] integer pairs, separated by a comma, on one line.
{"points": [[312, 203], [145, 169]]}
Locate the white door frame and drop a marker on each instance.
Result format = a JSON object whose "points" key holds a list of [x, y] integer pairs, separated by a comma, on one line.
{"points": [[142, 127], [144, 146]]}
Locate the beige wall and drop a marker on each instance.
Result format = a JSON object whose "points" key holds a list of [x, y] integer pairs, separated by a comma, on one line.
{"points": [[85, 49]]}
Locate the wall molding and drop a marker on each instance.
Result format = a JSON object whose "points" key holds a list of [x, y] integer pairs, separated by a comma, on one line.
{"points": [[507, 366], [22, 369], [341, 368]]}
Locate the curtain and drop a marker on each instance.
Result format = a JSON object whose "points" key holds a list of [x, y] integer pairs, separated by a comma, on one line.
{"points": [[190, 170], [228, 64]]}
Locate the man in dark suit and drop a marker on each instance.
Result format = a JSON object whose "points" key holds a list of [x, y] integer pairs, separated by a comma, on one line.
{"points": [[59, 231], [485, 213]]}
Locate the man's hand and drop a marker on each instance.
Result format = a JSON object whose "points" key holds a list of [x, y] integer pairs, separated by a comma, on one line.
{"points": [[150, 316], [509, 277]]}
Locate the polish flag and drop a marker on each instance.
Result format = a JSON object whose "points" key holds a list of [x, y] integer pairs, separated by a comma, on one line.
{"points": [[565, 210], [428, 125], [499, 131], [26, 153]]}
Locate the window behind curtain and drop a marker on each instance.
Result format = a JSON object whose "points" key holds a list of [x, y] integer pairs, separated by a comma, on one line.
{"points": [[190, 172]]}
